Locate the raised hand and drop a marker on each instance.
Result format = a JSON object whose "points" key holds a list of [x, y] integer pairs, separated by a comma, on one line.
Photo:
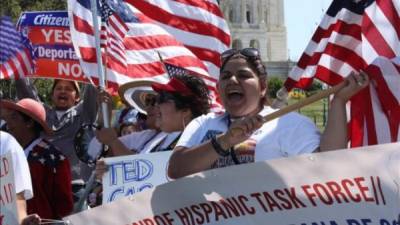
{"points": [[355, 82]]}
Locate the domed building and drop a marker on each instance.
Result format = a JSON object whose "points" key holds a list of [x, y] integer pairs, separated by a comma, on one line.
{"points": [[259, 24]]}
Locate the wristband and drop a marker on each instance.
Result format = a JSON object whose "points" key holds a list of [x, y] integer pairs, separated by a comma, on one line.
{"points": [[218, 148]]}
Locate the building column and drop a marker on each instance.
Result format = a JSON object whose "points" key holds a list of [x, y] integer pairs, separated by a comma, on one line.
{"points": [[260, 12], [243, 12]]}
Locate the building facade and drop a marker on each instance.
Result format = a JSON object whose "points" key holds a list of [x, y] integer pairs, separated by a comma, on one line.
{"points": [[259, 24]]}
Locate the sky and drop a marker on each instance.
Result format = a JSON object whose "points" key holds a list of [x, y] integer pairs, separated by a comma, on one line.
{"points": [[302, 18]]}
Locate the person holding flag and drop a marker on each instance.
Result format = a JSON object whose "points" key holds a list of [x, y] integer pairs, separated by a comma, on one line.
{"points": [[182, 99], [240, 134]]}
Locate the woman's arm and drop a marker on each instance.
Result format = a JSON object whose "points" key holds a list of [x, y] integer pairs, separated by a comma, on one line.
{"points": [[335, 135], [185, 161], [109, 137]]}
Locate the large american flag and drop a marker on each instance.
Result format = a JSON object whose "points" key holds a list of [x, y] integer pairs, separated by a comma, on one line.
{"points": [[131, 38], [357, 35], [16, 56]]}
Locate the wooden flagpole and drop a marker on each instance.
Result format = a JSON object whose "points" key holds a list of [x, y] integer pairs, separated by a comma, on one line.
{"points": [[320, 95]]}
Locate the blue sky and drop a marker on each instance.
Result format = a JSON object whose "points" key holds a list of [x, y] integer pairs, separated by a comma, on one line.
{"points": [[301, 18]]}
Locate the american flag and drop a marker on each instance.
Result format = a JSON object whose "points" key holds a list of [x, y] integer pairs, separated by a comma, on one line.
{"points": [[359, 35], [199, 25], [16, 56], [174, 70], [135, 54]]}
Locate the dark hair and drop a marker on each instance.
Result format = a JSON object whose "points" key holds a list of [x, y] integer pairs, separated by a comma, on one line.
{"points": [[37, 127], [255, 63], [199, 102]]}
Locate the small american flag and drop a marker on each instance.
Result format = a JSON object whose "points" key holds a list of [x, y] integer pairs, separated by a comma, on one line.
{"points": [[357, 35], [173, 70], [114, 17], [16, 56]]}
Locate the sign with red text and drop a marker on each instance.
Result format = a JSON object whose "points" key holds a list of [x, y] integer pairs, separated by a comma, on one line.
{"points": [[8, 205], [50, 36], [348, 187], [131, 174]]}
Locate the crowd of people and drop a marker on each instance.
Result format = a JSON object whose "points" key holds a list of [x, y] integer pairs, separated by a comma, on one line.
{"points": [[174, 116]]}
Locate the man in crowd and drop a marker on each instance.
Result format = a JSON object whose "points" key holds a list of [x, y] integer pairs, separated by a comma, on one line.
{"points": [[69, 111]]}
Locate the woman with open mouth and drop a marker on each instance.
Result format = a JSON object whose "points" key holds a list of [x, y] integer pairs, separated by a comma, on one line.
{"points": [[240, 134]]}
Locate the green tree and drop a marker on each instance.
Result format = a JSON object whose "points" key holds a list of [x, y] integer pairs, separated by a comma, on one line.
{"points": [[274, 84], [14, 8], [314, 88]]}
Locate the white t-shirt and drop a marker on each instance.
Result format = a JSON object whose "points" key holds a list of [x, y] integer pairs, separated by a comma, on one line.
{"points": [[22, 174], [143, 141], [289, 135]]}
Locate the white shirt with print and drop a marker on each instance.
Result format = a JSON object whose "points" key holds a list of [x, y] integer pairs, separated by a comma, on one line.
{"points": [[289, 135]]}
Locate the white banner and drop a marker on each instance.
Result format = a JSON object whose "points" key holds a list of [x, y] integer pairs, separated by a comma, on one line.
{"points": [[131, 174], [8, 204], [348, 187]]}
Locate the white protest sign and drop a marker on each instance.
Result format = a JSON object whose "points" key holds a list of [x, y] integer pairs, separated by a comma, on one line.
{"points": [[131, 174], [8, 205], [349, 187]]}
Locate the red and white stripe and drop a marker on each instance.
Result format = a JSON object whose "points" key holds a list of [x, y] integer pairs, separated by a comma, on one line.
{"points": [[200, 26], [193, 40], [351, 42], [18, 66]]}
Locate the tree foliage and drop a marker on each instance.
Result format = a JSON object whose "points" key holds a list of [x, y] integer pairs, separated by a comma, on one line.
{"points": [[14, 8], [274, 84], [314, 88]]}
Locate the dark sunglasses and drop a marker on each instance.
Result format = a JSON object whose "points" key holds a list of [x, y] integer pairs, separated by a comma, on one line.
{"points": [[250, 53], [150, 100]]}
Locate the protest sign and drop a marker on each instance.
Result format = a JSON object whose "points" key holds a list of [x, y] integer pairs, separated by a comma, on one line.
{"points": [[128, 175], [348, 187], [50, 36], [8, 205]]}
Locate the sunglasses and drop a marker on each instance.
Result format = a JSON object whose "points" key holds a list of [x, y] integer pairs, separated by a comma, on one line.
{"points": [[150, 100], [250, 53]]}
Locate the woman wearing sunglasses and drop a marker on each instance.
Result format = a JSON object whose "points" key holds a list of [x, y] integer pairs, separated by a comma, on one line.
{"points": [[240, 136], [183, 98]]}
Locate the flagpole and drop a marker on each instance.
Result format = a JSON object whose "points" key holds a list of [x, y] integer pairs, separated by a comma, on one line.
{"points": [[320, 95], [100, 71], [102, 84]]}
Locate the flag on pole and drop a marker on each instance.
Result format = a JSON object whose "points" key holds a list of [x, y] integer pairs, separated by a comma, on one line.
{"points": [[131, 42], [359, 35], [16, 56], [136, 44]]}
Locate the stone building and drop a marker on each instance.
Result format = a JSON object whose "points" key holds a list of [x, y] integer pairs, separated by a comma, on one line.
{"points": [[259, 24]]}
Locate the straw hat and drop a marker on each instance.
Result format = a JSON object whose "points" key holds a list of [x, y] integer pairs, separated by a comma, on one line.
{"points": [[135, 93], [31, 108]]}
